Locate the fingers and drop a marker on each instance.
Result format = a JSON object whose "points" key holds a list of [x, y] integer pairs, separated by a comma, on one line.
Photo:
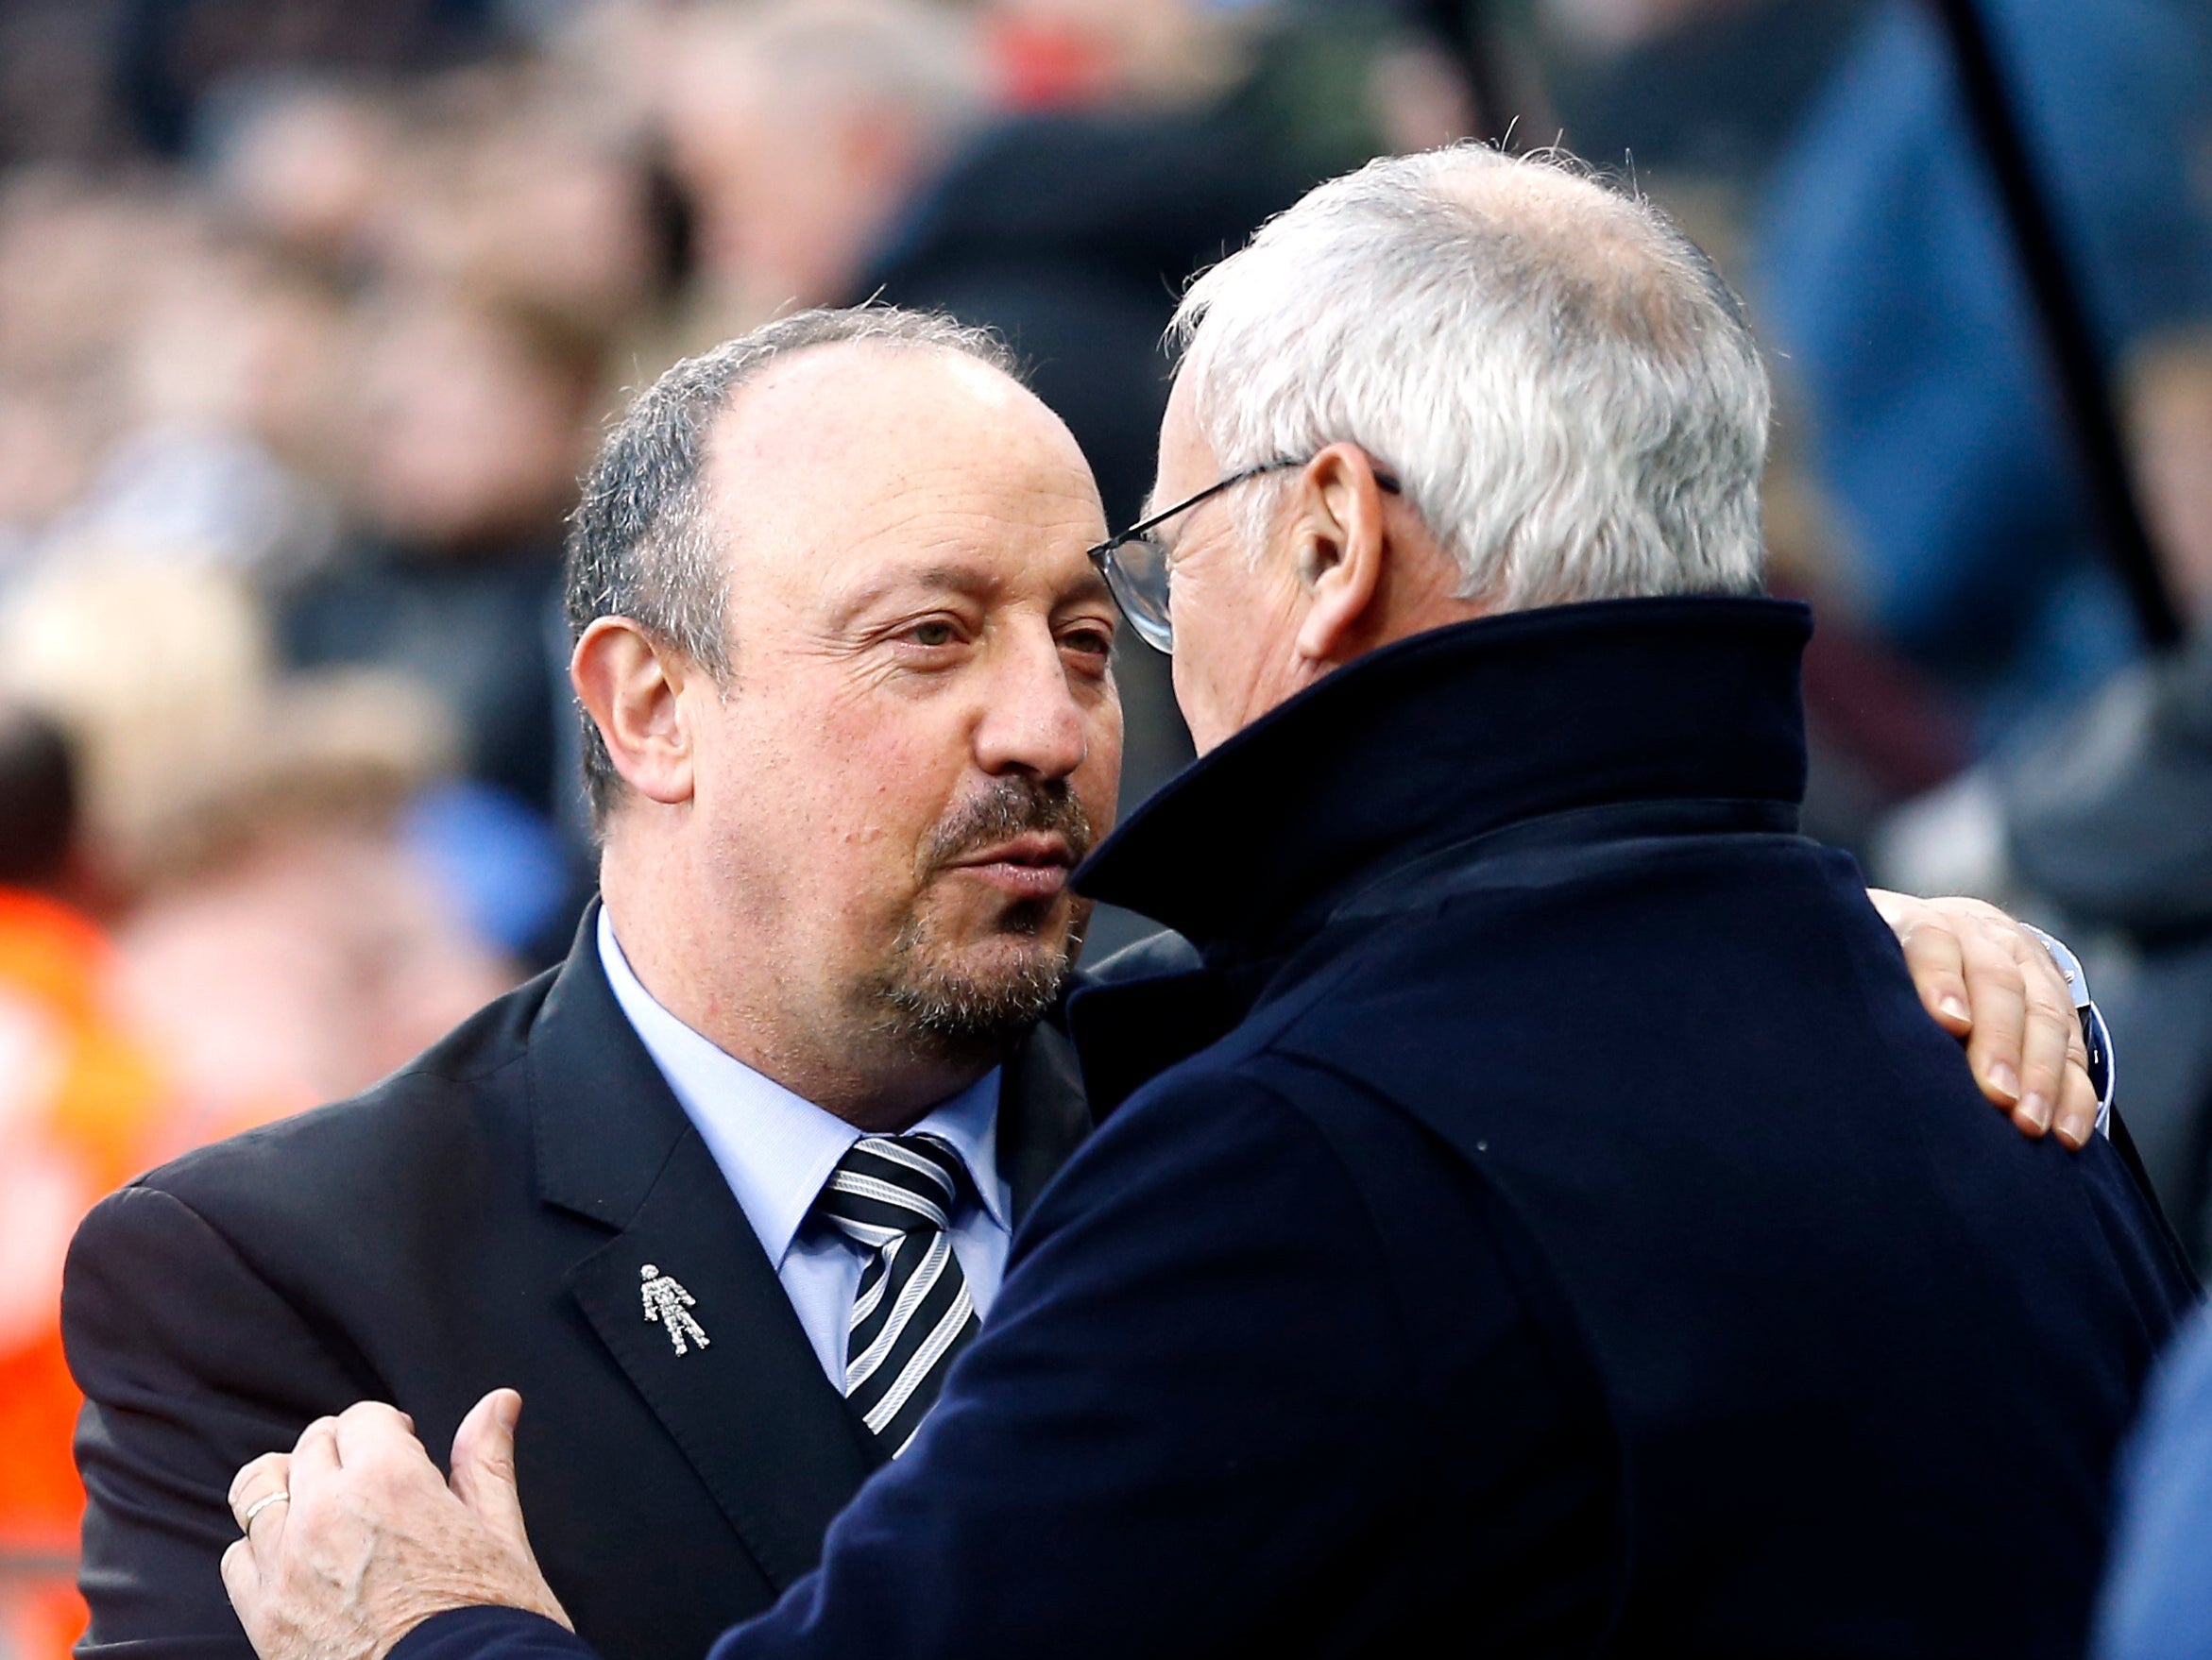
{"points": [[369, 1430], [2043, 1058], [1996, 991], [484, 1467], [2024, 1036], [2071, 1093], [241, 1575], [376, 1440], [2077, 1101], [2052, 1035], [266, 1475], [1932, 957]]}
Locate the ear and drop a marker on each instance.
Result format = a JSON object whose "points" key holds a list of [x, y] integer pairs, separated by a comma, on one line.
{"points": [[1340, 544], [631, 687]]}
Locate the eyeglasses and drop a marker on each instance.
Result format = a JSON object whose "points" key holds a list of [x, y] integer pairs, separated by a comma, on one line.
{"points": [[1137, 569]]}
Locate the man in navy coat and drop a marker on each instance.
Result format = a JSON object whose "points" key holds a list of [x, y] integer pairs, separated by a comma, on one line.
{"points": [[1537, 1218]]}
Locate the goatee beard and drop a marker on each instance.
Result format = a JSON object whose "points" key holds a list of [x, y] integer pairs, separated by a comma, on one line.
{"points": [[954, 1016]]}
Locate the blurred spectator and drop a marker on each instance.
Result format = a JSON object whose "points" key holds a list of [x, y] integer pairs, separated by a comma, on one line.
{"points": [[304, 163], [171, 54], [79, 1113], [1703, 88], [2104, 811], [282, 941], [2109, 817], [155, 672], [519, 189], [475, 417], [803, 130], [1894, 288], [292, 943], [2157, 1597]]}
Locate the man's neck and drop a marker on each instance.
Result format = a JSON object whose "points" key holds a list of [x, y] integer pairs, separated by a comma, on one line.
{"points": [[871, 1080]]}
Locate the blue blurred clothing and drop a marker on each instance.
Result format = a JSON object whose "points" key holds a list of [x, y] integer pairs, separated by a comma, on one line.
{"points": [[2158, 1600], [500, 862], [1890, 281]]}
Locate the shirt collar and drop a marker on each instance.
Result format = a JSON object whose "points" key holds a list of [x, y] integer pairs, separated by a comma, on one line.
{"points": [[773, 1147]]}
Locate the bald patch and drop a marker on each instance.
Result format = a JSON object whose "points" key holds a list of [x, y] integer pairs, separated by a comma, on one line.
{"points": [[851, 441], [824, 411], [1547, 226]]}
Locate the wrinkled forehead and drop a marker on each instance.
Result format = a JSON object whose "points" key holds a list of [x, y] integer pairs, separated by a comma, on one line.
{"points": [[847, 456]]}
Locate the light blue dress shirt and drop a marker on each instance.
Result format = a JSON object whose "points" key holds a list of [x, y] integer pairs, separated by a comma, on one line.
{"points": [[775, 1149]]}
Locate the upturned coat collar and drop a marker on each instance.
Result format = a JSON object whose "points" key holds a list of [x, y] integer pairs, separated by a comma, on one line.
{"points": [[1454, 734]]}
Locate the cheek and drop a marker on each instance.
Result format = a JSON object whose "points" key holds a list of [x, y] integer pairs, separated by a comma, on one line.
{"points": [[868, 779], [1098, 782], [1198, 708], [1207, 663]]}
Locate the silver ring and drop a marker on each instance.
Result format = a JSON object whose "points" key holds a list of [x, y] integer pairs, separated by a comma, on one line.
{"points": [[279, 1496]]}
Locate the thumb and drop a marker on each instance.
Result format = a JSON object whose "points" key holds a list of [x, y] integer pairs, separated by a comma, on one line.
{"points": [[484, 1467], [483, 1480]]}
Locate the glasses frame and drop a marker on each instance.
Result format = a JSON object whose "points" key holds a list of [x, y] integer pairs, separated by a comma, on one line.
{"points": [[1145, 609]]}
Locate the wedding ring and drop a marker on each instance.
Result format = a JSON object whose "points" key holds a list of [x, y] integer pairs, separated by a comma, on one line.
{"points": [[279, 1496]]}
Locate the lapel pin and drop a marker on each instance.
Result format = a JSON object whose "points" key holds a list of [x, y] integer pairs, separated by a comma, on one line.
{"points": [[669, 1306]]}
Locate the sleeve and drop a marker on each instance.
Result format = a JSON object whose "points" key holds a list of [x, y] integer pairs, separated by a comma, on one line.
{"points": [[191, 1366], [486, 1633], [2096, 1037]]}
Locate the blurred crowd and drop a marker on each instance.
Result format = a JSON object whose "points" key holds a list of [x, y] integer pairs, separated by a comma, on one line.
{"points": [[311, 311]]}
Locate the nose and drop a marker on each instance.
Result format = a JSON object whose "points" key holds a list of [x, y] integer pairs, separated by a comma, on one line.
{"points": [[1030, 721]]}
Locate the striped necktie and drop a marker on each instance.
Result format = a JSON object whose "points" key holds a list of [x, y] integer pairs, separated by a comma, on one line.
{"points": [[896, 1196]]}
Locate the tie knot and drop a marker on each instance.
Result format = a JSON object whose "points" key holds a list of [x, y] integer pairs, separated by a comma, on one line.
{"points": [[889, 1186]]}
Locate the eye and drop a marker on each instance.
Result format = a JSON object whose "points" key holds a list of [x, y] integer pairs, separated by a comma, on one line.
{"points": [[1089, 641], [932, 632]]}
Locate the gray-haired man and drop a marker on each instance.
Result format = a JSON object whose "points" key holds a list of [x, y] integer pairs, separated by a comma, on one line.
{"points": [[1544, 1212]]}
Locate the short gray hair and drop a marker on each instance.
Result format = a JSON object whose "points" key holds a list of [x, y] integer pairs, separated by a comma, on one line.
{"points": [[1563, 382], [640, 544]]}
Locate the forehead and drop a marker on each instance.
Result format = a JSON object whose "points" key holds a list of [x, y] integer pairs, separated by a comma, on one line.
{"points": [[1186, 460], [852, 453]]}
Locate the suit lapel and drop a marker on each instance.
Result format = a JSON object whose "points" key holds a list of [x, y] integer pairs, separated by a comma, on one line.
{"points": [[1043, 1116], [751, 1409], [776, 1445]]}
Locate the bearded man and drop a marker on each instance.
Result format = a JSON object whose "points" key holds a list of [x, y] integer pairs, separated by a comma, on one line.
{"points": [[725, 1193]]}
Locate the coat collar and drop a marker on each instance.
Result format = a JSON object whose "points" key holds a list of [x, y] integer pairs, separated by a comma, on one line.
{"points": [[1455, 733]]}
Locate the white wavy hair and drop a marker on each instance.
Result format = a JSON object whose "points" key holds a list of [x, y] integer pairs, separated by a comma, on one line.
{"points": [[1560, 379]]}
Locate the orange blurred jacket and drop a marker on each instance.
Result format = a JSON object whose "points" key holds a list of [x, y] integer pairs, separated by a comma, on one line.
{"points": [[80, 1110]]}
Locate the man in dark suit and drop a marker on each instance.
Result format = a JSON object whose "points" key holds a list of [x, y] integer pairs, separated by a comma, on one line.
{"points": [[486, 1215], [1503, 1227]]}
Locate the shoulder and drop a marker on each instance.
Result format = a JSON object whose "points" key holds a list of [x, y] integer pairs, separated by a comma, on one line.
{"points": [[452, 1109]]}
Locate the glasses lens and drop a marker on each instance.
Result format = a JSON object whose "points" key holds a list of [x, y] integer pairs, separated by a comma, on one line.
{"points": [[1137, 574]]}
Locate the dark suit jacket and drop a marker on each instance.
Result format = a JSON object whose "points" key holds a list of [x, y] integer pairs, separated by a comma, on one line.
{"points": [[1544, 1220], [478, 1219]]}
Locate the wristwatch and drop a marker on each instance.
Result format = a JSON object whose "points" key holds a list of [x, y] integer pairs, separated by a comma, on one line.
{"points": [[2095, 1038]]}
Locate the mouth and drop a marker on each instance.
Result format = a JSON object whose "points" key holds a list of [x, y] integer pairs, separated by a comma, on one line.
{"points": [[1030, 866]]}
